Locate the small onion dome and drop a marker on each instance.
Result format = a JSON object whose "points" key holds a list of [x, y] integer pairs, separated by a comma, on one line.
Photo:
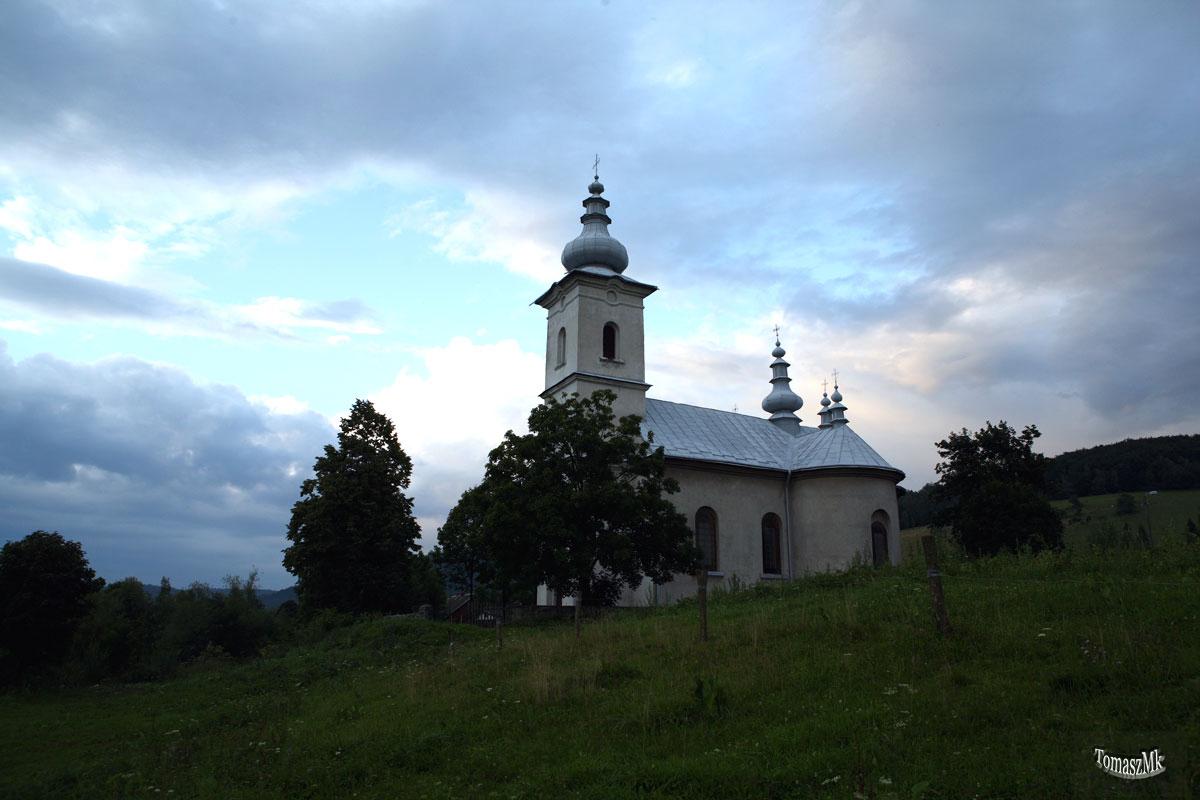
{"points": [[782, 402], [594, 247], [825, 413], [837, 411]]}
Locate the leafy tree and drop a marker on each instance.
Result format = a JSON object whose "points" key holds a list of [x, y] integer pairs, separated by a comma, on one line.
{"points": [[44, 584], [579, 503], [353, 533], [461, 553], [993, 486], [1126, 504], [117, 637]]}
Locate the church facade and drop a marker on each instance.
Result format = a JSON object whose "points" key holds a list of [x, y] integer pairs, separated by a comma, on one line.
{"points": [[768, 498]]}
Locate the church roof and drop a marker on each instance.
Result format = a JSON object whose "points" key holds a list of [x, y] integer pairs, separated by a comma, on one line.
{"points": [[725, 437]]}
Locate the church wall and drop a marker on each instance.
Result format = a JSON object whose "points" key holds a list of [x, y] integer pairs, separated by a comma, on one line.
{"points": [[831, 519], [740, 500]]}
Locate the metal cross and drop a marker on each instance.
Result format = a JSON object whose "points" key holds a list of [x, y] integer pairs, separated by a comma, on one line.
{"points": [[825, 387], [596, 167], [776, 334], [835, 379]]}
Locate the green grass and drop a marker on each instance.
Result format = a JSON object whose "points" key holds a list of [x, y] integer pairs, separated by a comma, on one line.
{"points": [[830, 686], [1164, 515]]}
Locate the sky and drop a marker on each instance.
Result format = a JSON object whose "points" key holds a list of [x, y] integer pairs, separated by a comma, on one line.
{"points": [[221, 223]]}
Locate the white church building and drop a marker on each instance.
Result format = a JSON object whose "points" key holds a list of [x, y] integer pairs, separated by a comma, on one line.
{"points": [[768, 497]]}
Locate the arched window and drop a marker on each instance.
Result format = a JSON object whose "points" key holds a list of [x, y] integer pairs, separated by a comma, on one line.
{"points": [[610, 340], [562, 347], [706, 536], [879, 538], [772, 560]]}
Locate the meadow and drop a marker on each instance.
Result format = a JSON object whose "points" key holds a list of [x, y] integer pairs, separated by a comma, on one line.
{"points": [[830, 686]]}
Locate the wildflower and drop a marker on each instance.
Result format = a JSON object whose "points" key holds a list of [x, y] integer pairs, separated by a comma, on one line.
{"points": [[886, 781]]}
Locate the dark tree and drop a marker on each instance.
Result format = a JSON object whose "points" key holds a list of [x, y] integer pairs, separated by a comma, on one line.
{"points": [[1126, 504], [579, 503], [993, 486], [354, 538], [45, 581], [461, 553]]}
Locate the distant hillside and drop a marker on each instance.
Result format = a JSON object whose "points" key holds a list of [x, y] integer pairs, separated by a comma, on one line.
{"points": [[1134, 465], [271, 598]]}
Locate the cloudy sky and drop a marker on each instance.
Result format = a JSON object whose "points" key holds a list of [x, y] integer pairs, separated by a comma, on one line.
{"points": [[220, 223]]}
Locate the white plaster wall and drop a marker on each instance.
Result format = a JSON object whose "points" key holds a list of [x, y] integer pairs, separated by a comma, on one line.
{"points": [[831, 519], [740, 500], [582, 307], [830, 524]]}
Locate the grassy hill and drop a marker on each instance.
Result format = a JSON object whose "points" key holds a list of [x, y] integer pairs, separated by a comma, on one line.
{"points": [[1163, 514], [830, 686]]}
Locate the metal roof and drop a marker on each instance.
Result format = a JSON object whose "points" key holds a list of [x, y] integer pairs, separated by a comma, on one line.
{"points": [[725, 437]]}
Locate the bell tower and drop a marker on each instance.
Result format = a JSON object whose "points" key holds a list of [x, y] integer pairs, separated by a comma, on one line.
{"points": [[594, 332]]}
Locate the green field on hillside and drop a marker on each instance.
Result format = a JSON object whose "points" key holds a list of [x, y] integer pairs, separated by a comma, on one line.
{"points": [[831, 686], [1164, 515]]}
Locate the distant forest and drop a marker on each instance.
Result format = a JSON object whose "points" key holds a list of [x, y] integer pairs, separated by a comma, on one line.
{"points": [[1134, 465]]}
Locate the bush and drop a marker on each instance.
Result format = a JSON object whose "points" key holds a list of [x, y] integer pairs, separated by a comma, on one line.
{"points": [[1126, 504]]}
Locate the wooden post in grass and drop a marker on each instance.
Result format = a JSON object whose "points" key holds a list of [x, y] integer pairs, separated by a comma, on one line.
{"points": [[935, 585], [702, 598]]}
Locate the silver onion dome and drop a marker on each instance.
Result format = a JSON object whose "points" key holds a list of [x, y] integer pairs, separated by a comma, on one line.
{"points": [[782, 403], [594, 246]]}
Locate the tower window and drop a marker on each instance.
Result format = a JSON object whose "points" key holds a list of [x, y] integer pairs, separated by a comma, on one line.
{"points": [[706, 536], [562, 348], [610, 341], [771, 560]]}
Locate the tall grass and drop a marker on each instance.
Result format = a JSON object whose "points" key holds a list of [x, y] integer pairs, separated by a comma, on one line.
{"points": [[835, 685]]}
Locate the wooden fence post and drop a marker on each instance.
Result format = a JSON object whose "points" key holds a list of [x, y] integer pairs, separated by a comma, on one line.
{"points": [[702, 598], [935, 585]]}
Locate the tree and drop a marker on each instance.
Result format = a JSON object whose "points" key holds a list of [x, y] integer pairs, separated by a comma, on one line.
{"points": [[993, 486], [578, 503], [45, 581], [354, 538], [461, 553]]}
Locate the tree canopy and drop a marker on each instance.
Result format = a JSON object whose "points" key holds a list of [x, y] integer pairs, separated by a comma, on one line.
{"points": [[579, 503], [353, 534], [45, 581], [992, 490]]}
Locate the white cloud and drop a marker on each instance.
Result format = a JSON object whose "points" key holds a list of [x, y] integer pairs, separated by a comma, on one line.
{"points": [[286, 314], [495, 226], [114, 257], [450, 416], [21, 326]]}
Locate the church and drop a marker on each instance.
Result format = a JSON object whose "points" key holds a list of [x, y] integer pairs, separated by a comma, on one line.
{"points": [[767, 497]]}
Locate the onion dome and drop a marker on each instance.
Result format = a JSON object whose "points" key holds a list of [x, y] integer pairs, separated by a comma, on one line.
{"points": [[782, 403], [594, 247], [824, 413], [837, 411]]}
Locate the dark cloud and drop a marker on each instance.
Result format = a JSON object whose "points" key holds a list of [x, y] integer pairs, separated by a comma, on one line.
{"points": [[154, 473], [65, 295], [53, 291]]}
